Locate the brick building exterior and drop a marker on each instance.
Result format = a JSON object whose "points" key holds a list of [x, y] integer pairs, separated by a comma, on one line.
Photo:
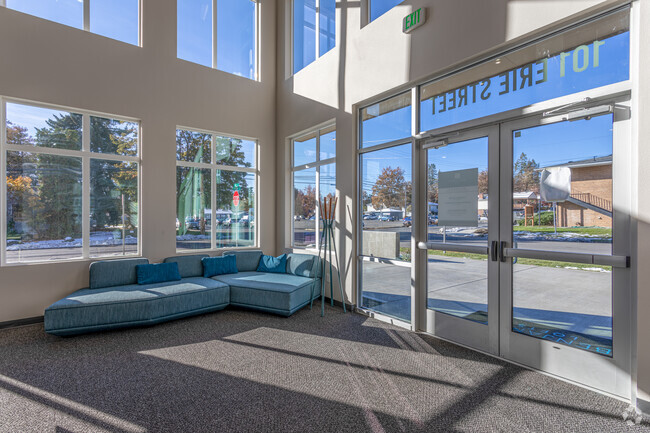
{"points": [[590, 204]]}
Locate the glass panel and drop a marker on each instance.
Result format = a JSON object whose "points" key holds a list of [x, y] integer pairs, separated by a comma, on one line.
{"points": [[193, 146], [304, 33], [386, 289], [236, 37], [112, 136], [328, 181], [235, 152], [304, 214], [113, 208], [193, 208], [43, 127], [594, 55], [327, 26], [457, 191], [386, 121], [235, 209], [43, 207], [566, 303], [380, 7], [68, 12], [562, 186], [304, 149], [386, 200], [457, 284], [328, 143], [194, 31], [117, 19]]}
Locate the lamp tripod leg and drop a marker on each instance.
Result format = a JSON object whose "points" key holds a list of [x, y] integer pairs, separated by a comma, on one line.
{"points": [[338, 272]]}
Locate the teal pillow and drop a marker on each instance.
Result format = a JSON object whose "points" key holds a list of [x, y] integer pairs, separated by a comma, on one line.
{"points": [[219, 265], [277, 265], [157, 273]]}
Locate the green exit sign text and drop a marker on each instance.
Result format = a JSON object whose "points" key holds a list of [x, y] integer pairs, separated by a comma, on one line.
{"points": [[414, 20]]}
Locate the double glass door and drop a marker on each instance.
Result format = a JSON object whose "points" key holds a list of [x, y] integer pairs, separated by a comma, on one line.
{"points": [[527, 241]]}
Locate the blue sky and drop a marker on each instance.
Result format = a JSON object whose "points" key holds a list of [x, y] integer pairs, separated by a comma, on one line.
{"points": [[117, 19], [380, 7]]}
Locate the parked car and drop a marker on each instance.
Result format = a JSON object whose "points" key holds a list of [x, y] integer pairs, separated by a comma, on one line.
{"points": [[407, 222], [193, 223], [432, 220]]}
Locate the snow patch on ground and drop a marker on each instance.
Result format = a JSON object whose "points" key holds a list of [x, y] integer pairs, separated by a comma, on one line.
{"points": [[96, 240], [588, 269]]}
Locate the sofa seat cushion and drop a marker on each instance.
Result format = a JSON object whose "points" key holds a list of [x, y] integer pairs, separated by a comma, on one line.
{"points": [[114, 307], [277, 293]]}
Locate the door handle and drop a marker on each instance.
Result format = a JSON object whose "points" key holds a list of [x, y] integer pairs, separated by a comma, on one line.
{"points": [[502, 252], [494, 251]]}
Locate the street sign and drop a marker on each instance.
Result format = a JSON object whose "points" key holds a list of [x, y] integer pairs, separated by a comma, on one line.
{"points": [[235, 198]]}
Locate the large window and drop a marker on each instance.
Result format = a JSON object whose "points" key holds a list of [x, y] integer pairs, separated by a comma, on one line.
{"points": [[71, 186], [380, 7], [314, 178], [385, 208], [219, 34], [216, 184], [314, 30], [116, 19]]}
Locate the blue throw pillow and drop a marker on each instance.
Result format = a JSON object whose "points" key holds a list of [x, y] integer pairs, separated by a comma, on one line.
{"points": [[157, 273], [219, 265], [273, 264]]}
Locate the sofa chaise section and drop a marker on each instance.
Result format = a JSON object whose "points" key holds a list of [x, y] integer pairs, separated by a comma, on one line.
{"points": [[279, 293]]}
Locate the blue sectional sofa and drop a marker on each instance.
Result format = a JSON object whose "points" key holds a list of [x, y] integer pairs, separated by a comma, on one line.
{"points": [[115, 300]]}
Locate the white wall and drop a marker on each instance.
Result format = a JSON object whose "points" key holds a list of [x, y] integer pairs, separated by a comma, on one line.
{"points": [[49, 62]]}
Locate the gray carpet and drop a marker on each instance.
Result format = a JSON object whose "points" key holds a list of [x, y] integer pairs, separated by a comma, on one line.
{"points": [[240, 371]]}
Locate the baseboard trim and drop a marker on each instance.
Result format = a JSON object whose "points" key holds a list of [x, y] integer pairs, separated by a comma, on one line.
{"points": [[21, 322], [643, 406]]}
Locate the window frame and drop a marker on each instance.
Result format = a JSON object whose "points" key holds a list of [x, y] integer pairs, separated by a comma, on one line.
{"points": [[213, 167], [316, 33], [214, 41], [86, 155], [85, 25], [317, 164]]}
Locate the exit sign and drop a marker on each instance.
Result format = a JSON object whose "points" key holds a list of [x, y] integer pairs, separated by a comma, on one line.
{"points": [[414, 20]]}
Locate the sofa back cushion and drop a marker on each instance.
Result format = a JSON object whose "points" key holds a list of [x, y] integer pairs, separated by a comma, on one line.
{"points": [[158, 273], [213, 266], [276, 265], [110, 273], [188, 266], [247, 261], [303, 265]]}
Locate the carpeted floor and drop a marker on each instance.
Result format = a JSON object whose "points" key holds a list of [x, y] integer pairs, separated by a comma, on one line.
{"points": [[240, 371]]}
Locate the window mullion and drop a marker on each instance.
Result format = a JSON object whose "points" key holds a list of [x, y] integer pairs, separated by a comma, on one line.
{"points": [[86, 11], [3, 186], [317, 29], [85, 186], [213, 191], [214, 34]]}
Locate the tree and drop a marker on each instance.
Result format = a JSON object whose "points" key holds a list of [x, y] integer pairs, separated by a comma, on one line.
{"points": [[432, 183], [526, 176], [483, 182], [21, 196], [390, 189], [305, 201], [59, 179]]}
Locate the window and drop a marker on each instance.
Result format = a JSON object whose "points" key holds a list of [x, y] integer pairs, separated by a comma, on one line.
{"points": [[72, 185], [116, 19], [380, 7], [314, 30], [219, 34], [216, 184], [314, 178]]}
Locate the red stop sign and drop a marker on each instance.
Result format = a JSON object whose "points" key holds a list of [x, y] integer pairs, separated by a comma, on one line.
{"points": [[235, 198]]}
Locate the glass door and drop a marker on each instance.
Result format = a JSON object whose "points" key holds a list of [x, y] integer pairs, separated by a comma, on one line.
{"points": [[564, 243], [462, 214]]}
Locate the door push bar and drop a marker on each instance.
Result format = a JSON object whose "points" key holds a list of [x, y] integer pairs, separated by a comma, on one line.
{"points": [[499, 251]]}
